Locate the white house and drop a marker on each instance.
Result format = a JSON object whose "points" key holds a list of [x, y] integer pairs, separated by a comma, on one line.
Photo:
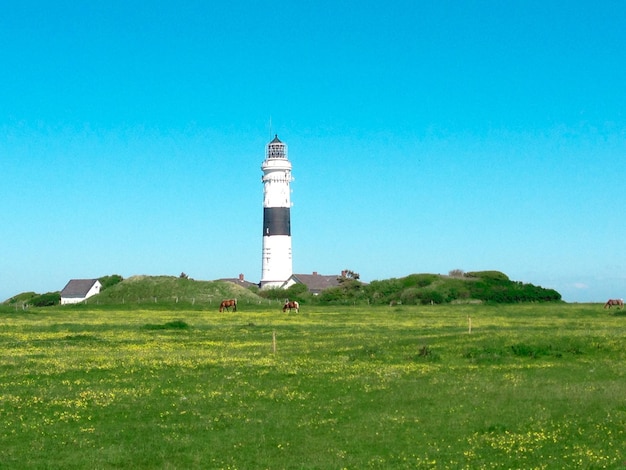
{"points": [[315, 282], [78, 290]]}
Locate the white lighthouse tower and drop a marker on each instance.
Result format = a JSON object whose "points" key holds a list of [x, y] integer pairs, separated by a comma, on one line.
{"points": [[277, 264]]}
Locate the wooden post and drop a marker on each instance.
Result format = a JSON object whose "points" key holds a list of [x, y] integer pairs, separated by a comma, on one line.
{"points": [[469, 320], [274, 341]]}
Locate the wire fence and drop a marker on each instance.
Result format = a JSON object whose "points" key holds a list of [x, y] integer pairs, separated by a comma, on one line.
{"points": [[197, 300]]}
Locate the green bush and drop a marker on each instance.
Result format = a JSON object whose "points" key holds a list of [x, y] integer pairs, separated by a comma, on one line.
{"points": [[273, 293], [296, 292], [498, 291], [431, 297], [109, 281], [488, 275], [46, 300], [487, 286], [384, 291], [418, 280], [332, 294]]}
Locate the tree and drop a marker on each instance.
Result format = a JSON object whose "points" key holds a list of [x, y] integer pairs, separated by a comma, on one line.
{"points": [[349, 274]]}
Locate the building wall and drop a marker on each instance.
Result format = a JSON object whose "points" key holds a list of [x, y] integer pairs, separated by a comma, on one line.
{"points": [[95, 289]]}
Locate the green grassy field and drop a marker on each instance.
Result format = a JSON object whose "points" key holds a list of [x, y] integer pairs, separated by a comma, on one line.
{"points": [[532, 386]]}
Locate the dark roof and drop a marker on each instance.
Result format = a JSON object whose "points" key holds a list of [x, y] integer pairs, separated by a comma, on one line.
{"points": [[78, 288], [276, 140], [317, 282]]}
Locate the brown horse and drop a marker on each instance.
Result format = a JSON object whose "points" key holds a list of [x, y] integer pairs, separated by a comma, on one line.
{"points": [[227, 304], [291, 305], [619, 303]]}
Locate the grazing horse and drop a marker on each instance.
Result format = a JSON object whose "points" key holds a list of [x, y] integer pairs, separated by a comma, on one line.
{"points": [[291, 305], [617, 302], [227, 304]]}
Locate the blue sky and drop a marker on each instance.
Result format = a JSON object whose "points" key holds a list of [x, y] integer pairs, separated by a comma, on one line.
{"points": [[424, 137]]}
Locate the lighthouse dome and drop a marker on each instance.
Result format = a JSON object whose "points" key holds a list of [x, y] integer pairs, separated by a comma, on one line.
{"points": [[276, 149]]}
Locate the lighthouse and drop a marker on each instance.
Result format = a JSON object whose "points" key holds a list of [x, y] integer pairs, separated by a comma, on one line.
{"points": [[277, 264]]}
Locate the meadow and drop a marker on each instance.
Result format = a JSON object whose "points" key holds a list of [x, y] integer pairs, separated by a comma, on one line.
{"points": [[531, 386]]}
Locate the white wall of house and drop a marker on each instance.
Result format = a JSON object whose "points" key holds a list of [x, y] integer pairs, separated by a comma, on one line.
{"points": [[95, 289]]}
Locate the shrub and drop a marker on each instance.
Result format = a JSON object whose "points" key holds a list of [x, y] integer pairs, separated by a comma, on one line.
{"points": [[273, 293], [384, 291], [488, 275], [511, 292], [419, 280], [431, 297], [332, 294], [46, 300], [487, 286], [110, 281], [296, 292]]}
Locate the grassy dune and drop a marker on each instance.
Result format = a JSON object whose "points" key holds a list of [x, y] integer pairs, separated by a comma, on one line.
{"points": [[166, 290], [532, 386]]}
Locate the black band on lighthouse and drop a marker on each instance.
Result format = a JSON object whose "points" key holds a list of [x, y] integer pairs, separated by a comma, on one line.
{"points": [[276, 221]]}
